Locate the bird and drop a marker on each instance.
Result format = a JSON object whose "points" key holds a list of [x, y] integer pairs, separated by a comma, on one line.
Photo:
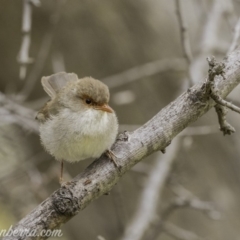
{"points": [[77, 122]]}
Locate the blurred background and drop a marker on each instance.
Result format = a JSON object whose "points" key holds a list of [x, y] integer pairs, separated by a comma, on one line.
{"points": [[148, 53]]}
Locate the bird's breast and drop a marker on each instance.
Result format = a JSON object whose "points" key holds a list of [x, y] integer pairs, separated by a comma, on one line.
{"points": [[75, 136]]}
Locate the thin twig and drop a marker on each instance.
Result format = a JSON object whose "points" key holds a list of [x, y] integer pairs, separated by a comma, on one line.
{"points": [[42, 54], [23, 56], [225, 127], [13, 112], [211, 41], [145, 70], [224, 103], [183, 199], [216, 69], [185, 41], [119, 207], [131, 75], [186, 199], [37, 68]]}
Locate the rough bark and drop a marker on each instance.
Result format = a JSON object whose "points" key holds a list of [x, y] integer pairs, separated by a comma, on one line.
{"points": [[130, 148]]}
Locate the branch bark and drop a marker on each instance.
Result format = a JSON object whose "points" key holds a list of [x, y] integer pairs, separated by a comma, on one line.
{"points": [[130, 148]]}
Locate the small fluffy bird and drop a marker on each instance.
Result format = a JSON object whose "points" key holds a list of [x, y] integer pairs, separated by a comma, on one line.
{"points": [[77, 123]]}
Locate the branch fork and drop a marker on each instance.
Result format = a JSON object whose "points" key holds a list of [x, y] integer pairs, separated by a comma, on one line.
{"points": [[217, 69]]}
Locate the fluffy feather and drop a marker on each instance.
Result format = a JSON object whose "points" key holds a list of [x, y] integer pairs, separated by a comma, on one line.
{"points": [[77, 122], [77, 136]]}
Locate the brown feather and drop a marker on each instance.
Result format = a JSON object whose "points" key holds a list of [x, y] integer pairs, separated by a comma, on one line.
{"points": [[60, 88], [52, 107], [52, 84], [93, 89]]}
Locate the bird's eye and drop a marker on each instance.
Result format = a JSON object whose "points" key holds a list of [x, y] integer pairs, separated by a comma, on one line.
{"points": [[88, 101]]}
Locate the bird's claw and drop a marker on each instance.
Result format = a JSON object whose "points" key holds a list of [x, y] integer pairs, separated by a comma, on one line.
{"points": [[63, 183]]}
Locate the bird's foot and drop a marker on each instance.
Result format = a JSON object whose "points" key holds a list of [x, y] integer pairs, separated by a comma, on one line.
{"points": [[63, 183], [113, 157]]}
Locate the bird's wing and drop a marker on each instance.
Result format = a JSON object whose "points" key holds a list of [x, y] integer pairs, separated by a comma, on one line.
{"points": [[43, 114], [50, 108], [52, 84]]}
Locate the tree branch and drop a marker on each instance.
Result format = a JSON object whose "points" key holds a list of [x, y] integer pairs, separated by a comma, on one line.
{"points": [[130, 148]]}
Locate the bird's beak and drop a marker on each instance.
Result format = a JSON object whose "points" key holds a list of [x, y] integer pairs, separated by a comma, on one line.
{"points": [[105, 108]]}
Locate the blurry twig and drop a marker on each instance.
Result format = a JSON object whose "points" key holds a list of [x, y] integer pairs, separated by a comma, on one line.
{"points": [[100, 238], [37, 68], [210, 40], [230, 16], [180, 233], [152, 194], [185, 199], [23, 57], [235, 37], [128, 76], [144, 168], [185, 41], [58, 62], [119, 207], [42, 54], [8, 175], [210, 43], [144, 70], [13, 112]]}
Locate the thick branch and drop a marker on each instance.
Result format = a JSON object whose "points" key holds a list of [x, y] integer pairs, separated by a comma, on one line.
{"points": [[130, 148]]}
